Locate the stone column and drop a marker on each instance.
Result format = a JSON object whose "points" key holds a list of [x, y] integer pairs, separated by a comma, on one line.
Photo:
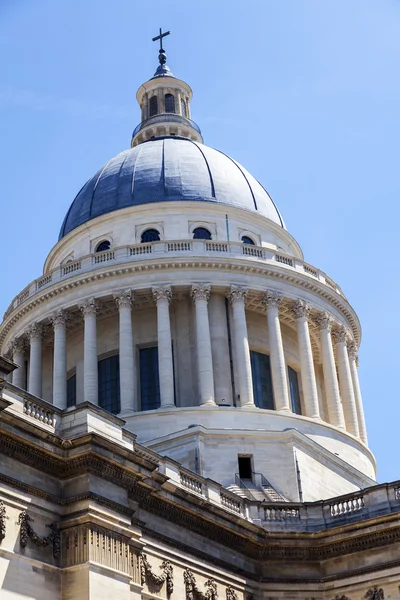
{"points": [[90, 367], [353, 359], [335, 410], [277, 357], [200, 294], [162, 296], [237, 296], [58, 320], [19, 375], [124, 300], [35, 334], [340, 336], [220, 349], [308, 380]]}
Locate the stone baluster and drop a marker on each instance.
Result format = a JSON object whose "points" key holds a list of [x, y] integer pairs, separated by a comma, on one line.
{"points": [[237, 296], [162, 296], [272, 301], [90, 367], [124, 300], [19, 375], [335, 410], [353, 359], [58, 320], [308, 380], [340, 336], [200, 293], [35, 334]]}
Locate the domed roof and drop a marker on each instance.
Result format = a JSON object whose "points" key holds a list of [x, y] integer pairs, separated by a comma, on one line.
{"points": [[168, 169]]}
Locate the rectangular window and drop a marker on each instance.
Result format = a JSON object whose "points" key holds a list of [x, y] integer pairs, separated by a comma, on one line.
{"points": [[262, 381], [294, 391], [71, 391], [149, 380], [245, 470], [108, 370]]}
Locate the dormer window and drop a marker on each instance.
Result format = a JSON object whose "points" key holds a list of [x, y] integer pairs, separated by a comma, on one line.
{"points": [[201, 233], [169, 103], [150, 235], [153, 106], [103, 246], [247, 240], [183, 108]]}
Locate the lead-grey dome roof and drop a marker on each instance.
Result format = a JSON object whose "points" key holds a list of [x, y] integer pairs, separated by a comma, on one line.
{"points": [[164, 170]]}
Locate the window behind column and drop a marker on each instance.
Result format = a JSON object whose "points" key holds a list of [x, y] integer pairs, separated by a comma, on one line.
{"points": [[262, 381], [169, 103], [294, 391], [149, 380], [108, 370], [71, 391]]}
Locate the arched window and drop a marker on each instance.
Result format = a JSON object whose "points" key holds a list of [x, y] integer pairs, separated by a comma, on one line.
{"points": [[153, 106], [247, 240], [262, 380], [108, 372], [183, 108], [294, 391], [201, 233], [102, 246], [150, 235], [169, 103]]}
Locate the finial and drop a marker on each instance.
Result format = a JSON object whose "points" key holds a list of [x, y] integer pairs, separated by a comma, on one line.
{"points": [[161, 54]]}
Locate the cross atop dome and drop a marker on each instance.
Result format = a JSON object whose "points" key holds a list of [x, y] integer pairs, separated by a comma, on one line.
{"points": [[161, 55]]}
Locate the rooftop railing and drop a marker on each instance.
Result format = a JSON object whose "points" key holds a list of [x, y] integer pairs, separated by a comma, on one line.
{"points": [[162, 118]]}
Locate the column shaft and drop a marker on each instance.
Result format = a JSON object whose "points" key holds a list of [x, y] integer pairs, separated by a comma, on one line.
{"points": [[277, 357], [35, 360], [60, 360], [90, 367], [357, 394], [346, 383], [220, 349], [126, 351], [201, 294], [19, 375], [162, 296], [308, 379], [237, 297]]}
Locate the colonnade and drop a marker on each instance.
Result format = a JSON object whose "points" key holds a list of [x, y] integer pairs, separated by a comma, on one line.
{"points": [[342, 391]]}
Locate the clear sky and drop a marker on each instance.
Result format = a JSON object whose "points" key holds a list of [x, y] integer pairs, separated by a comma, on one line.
{"points": [[304, 93]]}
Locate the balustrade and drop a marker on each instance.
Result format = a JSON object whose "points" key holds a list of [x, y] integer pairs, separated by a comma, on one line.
{"points": [[70, 267], [344, 507], [191, 483], [231, 503], [43, 281], [36, 411], [279, 513], [102, 257]]}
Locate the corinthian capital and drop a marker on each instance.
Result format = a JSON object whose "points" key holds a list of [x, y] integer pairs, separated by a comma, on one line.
{"points": [[272, 299], [300, 309], [123, 298], [18, 345], [162, 292], [352, 348], [237, 293], [35, 331], [340, 334], [58, 318], [200, 291], [89, 307], [323, 320]]}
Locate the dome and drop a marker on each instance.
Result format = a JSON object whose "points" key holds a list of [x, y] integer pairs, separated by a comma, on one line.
{"points": [[168, 169]]}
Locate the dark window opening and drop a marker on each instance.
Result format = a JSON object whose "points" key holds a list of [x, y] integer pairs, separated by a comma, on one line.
{"points": [[262, 380], [294, 391], [201, 233], [149, 379], [247, 240], [183, 107], [150, 235], [153, 106], [71, 391], [245, 470], [108, 370], [169, 103], [103, 246]]}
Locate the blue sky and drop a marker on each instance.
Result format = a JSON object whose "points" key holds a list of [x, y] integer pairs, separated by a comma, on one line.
{"points": [[304, 93]]}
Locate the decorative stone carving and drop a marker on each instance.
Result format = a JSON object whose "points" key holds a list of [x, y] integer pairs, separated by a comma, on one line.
{"points": [[300, 309], [123, 298], [193, 592], [341, 597], [89, 308], [147, 574], [162, 292], [352, 348], [340, 334], [237, 293], [3, 518], [58, 318], [26, 531], [201, 291], [231, 593], [35, 331], [18, 345], [323, 320], [375, 594], [272, 300]]}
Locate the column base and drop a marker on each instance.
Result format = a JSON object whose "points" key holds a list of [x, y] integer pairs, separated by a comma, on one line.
{"points": [[208, 404], [248, 405], [167, 406]]}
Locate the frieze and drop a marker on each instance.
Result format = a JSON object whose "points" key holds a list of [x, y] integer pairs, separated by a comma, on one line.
{"points": [[3, 519], [26, 531], [192, 590], [153, 580]]}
